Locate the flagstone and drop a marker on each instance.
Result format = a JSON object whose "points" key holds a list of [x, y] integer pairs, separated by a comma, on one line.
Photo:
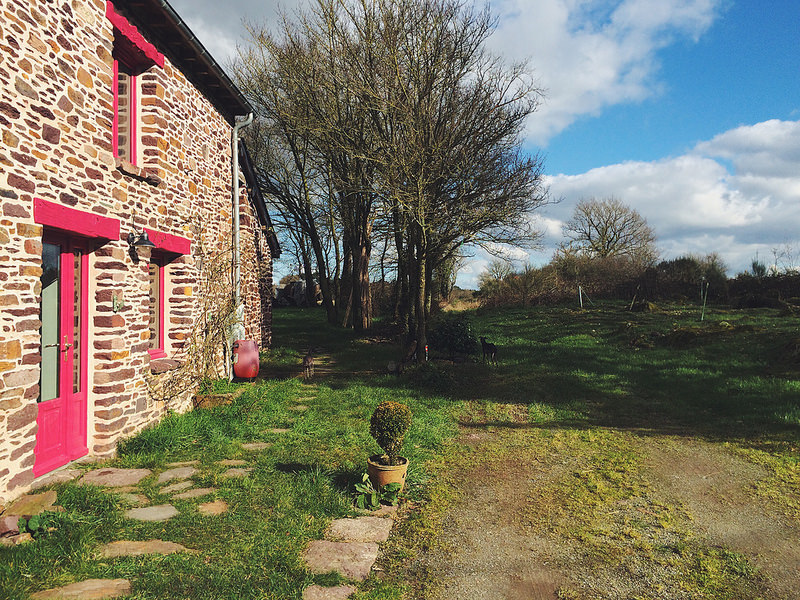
{"points": [[16, 540], [232, 462], [195, 493], [177, 487], [362, 529], [9, 525], [159, 512], [138, 499], [112, 477], [91, 589], [278, 430], [237, 472], [137, 548], [354, 560], [32, 504], [255, 446], [212, 509], [299, 407], [317, 592], [177, 473], [60, 476]]}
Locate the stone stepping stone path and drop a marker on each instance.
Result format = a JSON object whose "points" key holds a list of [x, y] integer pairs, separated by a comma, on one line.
{"points": [[257, 446], [353, 560], [236, 472], [350, 547], [32, 504], [176, 487], [62, 475], [134, 548], [186, 463], [91, 589], [177, 473], [115, 477], [232, 463], [278, 430], [299, 407], [159, 512], [362, 529], [131, 498], [195, 493]]}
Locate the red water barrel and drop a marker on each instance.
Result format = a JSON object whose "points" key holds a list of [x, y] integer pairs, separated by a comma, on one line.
{"points": [[245, 359]]}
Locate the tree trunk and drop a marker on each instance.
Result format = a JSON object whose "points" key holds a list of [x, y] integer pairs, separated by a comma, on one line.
{"points": [[308, 277], [346, 286]]}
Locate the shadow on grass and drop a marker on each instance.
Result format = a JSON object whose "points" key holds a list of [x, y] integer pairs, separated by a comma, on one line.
{"points": [[656, 373], [342, 479]]}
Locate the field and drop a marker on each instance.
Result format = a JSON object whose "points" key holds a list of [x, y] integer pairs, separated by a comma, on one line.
{"points": [[609, 454]]}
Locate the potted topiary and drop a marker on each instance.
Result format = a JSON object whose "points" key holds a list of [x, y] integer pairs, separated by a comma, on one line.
{"points": [[388, 425]]}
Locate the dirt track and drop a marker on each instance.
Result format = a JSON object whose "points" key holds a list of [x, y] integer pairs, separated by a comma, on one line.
{"points": [[492, 549]]}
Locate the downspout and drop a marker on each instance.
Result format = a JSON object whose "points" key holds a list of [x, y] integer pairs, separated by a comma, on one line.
{"points": [[237, 332]]}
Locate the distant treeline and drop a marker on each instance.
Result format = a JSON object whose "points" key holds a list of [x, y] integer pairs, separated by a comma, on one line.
{"points": [[684, 279]]}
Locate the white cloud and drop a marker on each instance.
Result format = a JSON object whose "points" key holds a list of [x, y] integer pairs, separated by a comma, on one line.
{"points": [[696, 204], [769, 149], [591, 54]]}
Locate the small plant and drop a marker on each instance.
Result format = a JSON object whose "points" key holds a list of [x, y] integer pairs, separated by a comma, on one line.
{"points": [[369, 498], [388, 425], [36, 525], [390, 493]]}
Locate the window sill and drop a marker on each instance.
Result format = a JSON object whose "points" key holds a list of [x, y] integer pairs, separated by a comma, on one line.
{"points": [[127, 168], [162, 365]]}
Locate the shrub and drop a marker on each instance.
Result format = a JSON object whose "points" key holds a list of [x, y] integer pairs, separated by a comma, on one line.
{"points": [[388, 425], [452, 333]]}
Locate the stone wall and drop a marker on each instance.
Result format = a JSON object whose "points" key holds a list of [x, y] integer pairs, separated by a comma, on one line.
{"points": [[56, 114]]}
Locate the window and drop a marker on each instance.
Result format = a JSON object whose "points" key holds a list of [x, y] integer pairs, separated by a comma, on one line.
{"points": [[133, 54], [125, 112], [157, 304], [168, 249]]}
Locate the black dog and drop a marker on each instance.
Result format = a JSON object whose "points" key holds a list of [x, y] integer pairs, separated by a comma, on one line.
{"points": [[489, 350]]}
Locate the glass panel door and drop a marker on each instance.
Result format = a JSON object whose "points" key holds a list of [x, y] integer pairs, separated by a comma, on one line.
{"points": [[77, 319], [50, 316]]}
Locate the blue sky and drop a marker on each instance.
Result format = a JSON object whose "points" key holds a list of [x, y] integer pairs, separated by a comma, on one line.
{"points": [[686, 110], [744, 69]]}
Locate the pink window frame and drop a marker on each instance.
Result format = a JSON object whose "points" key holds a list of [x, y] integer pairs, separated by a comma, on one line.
{"points": [[87, 224], [167, 247], [143, 55], [132, 111]]}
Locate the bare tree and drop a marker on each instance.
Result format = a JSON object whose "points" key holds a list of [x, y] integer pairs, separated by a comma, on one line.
{"points": [[608, 228], [448, 119], [417, 128]]}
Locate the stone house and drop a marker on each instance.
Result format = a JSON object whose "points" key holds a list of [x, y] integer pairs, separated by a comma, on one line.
{"points": [[117, 127]]}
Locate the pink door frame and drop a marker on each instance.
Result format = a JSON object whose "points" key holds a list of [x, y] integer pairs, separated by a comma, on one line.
{"points": [[62, 421], [83, 230]]}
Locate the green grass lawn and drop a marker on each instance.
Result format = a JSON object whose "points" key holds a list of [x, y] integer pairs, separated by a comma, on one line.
{"points": [[587, 378]]}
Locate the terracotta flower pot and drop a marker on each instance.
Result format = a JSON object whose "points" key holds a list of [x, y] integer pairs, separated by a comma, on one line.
{"points": [[380, 474]]}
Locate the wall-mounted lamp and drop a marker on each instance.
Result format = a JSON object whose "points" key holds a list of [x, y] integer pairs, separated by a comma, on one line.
{"points": [[142, 241], [135, 241]]}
